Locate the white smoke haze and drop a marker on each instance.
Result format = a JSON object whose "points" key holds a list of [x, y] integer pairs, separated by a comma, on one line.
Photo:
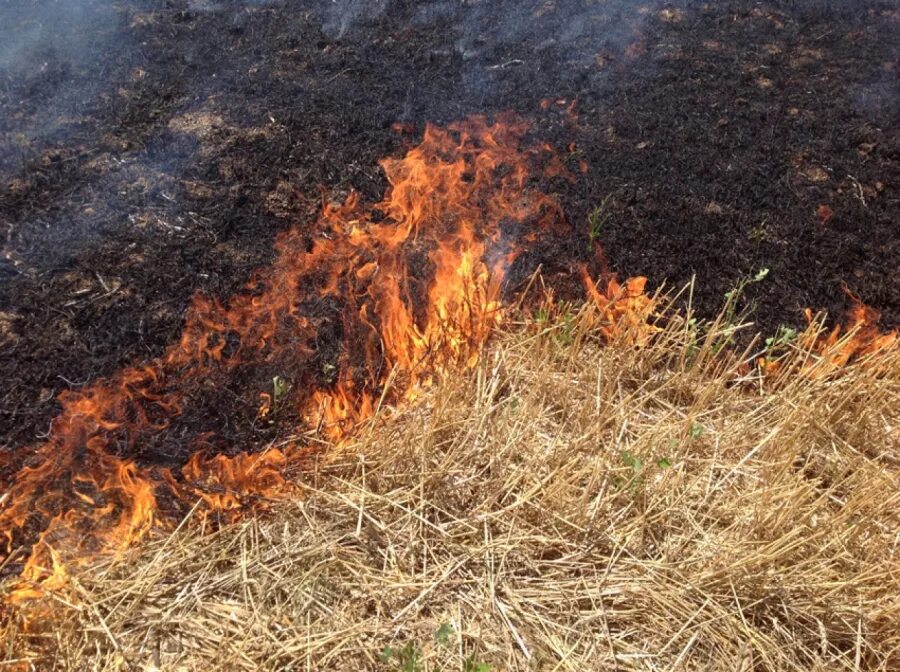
{"points": [[70, 69], [342, 15], [33, 31]]}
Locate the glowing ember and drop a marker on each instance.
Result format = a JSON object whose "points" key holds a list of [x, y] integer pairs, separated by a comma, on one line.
{"points": [[369, 305]]}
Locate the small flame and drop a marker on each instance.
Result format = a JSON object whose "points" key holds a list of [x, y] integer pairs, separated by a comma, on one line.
{"points": [[859, 337], [862, 336], [623, 308]]}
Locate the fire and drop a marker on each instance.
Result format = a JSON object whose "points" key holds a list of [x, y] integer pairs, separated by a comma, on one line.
{"points": [[623, 307], [858, 337], [370, 305]]}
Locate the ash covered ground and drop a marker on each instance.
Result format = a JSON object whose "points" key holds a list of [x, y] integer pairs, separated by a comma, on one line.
{"points": [[150, 150]]}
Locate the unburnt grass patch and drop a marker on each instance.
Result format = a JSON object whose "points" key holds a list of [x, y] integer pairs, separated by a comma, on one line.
{"points": [[568, 505]]}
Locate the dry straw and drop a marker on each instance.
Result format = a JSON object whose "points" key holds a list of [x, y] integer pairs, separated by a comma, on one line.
{"points": [[567, 505]]}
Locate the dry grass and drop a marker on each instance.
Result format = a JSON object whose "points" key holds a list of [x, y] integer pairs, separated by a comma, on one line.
{"points": [[759, 531]]}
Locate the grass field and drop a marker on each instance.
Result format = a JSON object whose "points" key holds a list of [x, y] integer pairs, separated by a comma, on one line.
{"points": [[568, 504]]}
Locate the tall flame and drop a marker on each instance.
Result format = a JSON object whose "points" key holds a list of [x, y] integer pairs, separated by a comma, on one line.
{"points": [[398, 293]]}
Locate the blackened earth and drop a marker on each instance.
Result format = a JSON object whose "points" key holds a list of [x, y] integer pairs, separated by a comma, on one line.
{"points": [[153, 149]]}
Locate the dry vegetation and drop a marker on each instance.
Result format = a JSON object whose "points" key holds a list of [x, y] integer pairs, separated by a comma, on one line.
{"points": [[565, 506]]}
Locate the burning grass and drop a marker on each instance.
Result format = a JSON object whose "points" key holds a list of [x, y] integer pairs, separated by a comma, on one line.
{"points": [[396, 293], [567, 504]]}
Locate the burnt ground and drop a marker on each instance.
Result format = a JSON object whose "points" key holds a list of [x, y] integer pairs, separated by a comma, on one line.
{"points": [[153, 149]]}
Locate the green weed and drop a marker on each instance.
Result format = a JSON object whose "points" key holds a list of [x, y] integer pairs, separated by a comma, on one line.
{"points": [[635, 482], [408, 658], [597, 220], [730, 315]]}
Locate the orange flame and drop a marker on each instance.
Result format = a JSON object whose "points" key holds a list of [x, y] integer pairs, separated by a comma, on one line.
{"points": [[367, 305], [623, 308], [862, 336], [858, 337]]}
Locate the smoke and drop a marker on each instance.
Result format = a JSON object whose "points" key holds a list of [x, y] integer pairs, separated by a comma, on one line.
{"points": [[62, 36], [494, 50], [561, 39], [342, 15], [476, 29], [33, 33], [52, 57], [557, 32], [878, 98]]}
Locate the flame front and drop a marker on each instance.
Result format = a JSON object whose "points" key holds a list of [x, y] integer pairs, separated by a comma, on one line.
{"points": [[861, 335], [825, 353], [367, 306], [406, 289]]}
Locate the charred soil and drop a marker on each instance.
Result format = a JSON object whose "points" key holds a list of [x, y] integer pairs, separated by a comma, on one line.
{"points": [[157, 148]]}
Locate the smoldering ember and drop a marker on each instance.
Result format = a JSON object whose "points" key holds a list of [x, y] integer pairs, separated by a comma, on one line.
{"points": [[467, 335]]}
